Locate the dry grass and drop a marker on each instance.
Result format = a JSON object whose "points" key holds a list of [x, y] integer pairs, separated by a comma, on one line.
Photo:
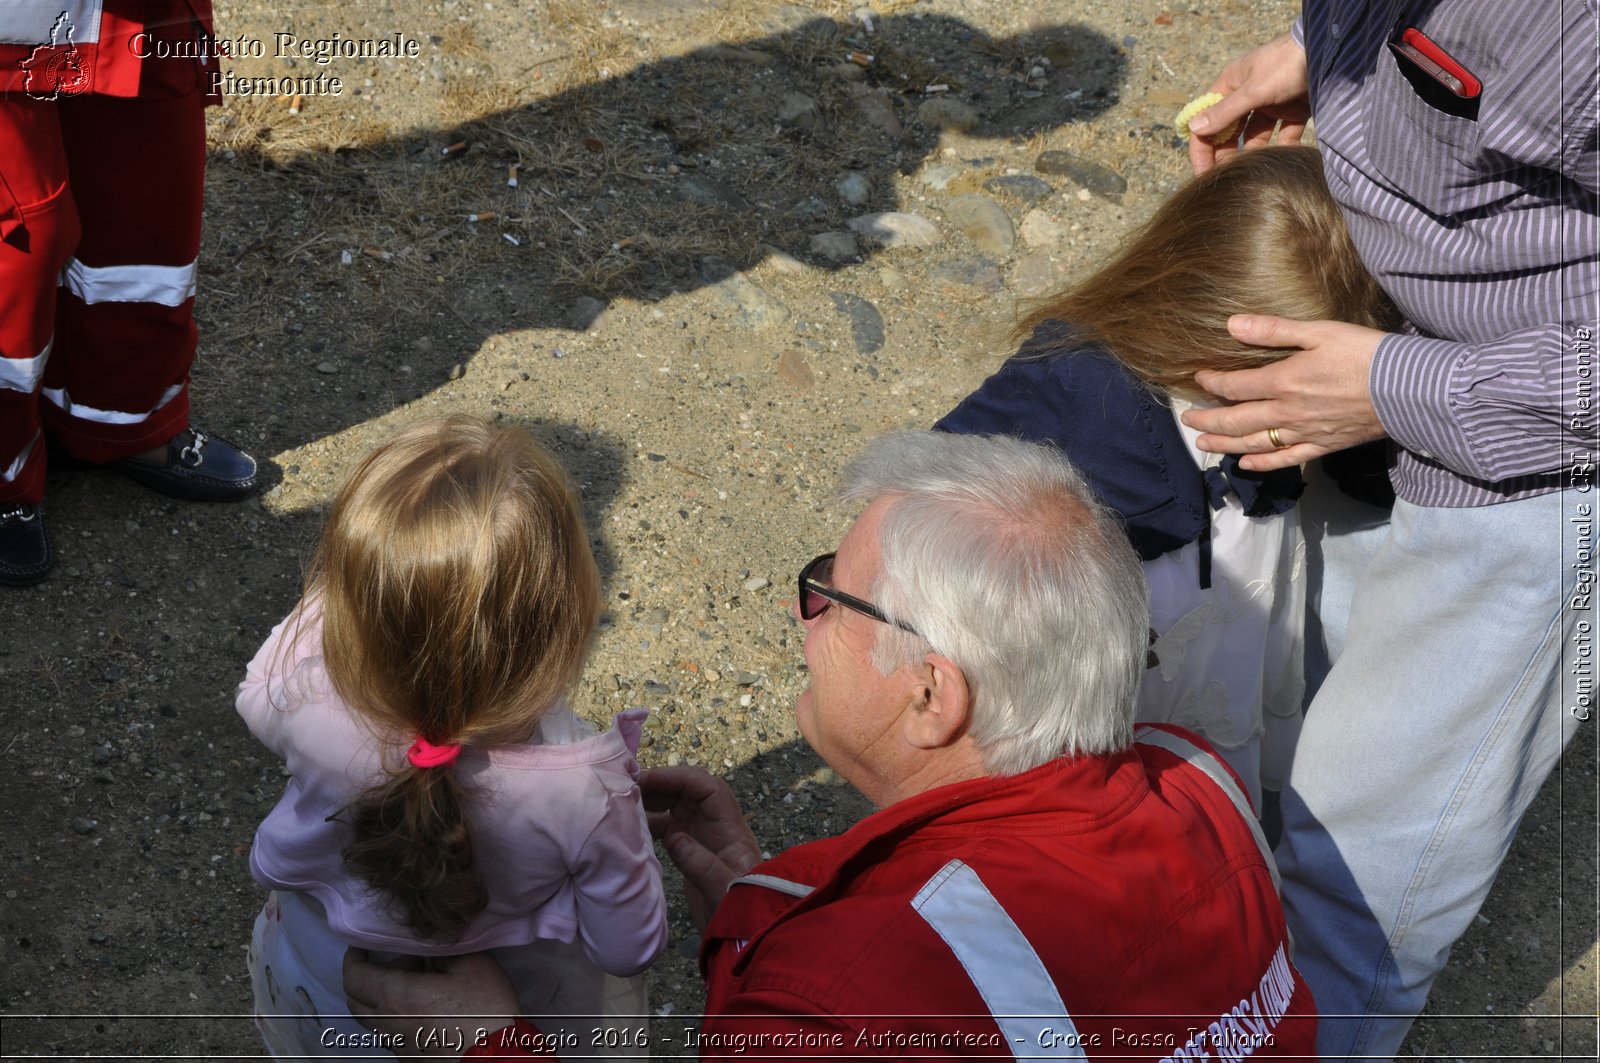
{"points": [[459, 40], [472, 98], [599, 50], [262, 126]]}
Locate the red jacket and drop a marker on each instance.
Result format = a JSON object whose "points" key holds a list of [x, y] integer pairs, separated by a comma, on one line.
{"points": [[51, 48], [1134, 880], [1096, 907]]}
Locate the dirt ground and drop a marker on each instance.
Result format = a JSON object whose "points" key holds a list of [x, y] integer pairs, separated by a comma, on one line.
{"points": [[653, 299]]}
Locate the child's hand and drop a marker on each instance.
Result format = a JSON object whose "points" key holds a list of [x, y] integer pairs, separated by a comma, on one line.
{"points": [[697, 819], [1314, 402]]}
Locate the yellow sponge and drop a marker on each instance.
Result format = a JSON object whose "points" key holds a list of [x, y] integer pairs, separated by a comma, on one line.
{"points": [[1193, 108]]}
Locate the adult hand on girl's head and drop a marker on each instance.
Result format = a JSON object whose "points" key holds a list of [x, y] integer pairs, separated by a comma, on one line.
{"points": [[1317, 399], [1269, 85], [402, 1001], [697, 819]]}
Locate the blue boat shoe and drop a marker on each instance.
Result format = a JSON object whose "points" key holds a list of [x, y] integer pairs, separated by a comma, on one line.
{"points": [[199, 467], [25, 555]]}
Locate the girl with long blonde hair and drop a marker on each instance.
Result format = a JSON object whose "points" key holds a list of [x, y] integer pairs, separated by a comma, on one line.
{"points": [[1104, 371], [444, 798]]}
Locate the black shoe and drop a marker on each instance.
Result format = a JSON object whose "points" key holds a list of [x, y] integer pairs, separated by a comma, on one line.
{"points": [[199, 467], [25, 555]]}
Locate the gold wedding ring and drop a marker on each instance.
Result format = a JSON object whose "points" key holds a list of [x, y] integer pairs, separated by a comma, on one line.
{"points": [[1275, 439]]}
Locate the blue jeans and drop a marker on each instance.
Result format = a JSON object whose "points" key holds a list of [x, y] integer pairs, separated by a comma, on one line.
{"points": [[1447, 709], [1341, 537]]}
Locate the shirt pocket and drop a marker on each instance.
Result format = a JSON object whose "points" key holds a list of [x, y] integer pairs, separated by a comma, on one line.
{"points": [[1419, 151]]}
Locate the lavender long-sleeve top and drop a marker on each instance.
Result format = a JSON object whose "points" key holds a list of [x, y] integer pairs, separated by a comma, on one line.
{"points": [[559, 832], [1484, 230]]}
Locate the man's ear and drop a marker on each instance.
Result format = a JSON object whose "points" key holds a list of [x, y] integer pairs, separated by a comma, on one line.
{"points": [[941, 706]]}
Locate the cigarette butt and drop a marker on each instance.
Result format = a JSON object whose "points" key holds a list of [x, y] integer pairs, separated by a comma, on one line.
{"points": [[377, 253], [294, 104], [859, 58], [487, 215], [937, 88], [454, 149], [512, 240], [511, 176]]}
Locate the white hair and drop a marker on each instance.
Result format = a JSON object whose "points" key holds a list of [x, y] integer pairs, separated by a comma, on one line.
{"points": [[998, 553]]}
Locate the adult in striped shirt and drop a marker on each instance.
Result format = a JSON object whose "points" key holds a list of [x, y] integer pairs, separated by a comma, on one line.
{"points": [[1461, 145]]}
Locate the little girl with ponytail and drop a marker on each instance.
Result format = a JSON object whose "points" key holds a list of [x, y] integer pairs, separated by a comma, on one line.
{"points": [[444, 798]]}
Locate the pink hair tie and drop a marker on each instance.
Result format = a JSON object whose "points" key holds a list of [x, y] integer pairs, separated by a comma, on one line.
{"points": [[424, 754]]}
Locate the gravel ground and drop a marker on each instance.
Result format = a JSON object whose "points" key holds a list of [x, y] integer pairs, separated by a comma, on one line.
{"points": [[675, 298]]}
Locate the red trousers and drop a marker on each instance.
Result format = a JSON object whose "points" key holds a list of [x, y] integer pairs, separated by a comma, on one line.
{"points": [[100, 201]]}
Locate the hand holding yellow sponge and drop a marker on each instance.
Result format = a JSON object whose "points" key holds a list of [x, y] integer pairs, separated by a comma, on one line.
{"points": [[1194, 107]]}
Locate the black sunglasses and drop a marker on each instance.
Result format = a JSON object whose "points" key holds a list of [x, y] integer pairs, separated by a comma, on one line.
{"points": [[816, 594]]}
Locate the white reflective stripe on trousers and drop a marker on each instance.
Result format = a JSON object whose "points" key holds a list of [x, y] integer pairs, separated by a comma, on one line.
{"points": [[23, 374], [60, 398], [1196, 757], [30, 21], [15, 470], [1020, 994], [167, 285]]}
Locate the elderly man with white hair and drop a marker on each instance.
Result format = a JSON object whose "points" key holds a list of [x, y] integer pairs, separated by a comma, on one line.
{"points": [[1039, 880]]}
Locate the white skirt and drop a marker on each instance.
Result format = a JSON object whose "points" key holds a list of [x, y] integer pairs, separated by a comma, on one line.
{"points": [[297, 971]]}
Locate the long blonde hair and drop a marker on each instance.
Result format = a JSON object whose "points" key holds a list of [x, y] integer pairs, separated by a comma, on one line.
{"points": [[458, 596], [1259, 234]]}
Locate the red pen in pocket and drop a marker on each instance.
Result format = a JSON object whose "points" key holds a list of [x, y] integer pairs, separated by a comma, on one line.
{"points": [[1437, 64]]}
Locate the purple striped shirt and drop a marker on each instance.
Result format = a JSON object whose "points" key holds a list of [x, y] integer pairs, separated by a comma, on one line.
{"points": [[1485, 230]]}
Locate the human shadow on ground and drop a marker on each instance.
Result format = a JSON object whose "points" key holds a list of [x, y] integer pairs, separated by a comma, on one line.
{"points": [[342, 244]]}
